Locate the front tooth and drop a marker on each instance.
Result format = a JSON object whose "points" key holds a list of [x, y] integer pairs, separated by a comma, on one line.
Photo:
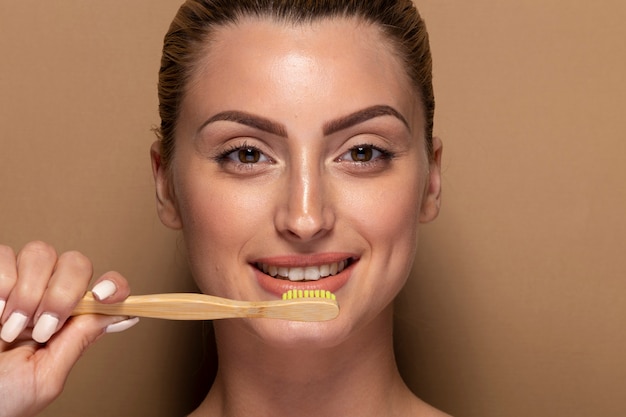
{"points": [[283, 272], [312, 273], [324, 270], [296, 274], [334, 269], [273, 271]]}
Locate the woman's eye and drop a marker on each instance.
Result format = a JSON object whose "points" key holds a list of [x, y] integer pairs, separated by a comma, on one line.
{"points": [[249, 155], [244, 155], [364, 154]]}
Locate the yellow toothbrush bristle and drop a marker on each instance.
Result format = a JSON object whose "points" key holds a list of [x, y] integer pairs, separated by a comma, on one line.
{"points": [[293, 294]]}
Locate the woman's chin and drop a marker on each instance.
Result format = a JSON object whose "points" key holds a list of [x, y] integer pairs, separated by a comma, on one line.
{"points": [[284, 334]]}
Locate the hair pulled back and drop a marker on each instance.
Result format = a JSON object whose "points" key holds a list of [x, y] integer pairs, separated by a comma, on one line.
{"points": [[195, 21]]}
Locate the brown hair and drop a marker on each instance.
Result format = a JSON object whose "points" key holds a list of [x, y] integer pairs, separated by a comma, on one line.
{"points": [[196, 19]]}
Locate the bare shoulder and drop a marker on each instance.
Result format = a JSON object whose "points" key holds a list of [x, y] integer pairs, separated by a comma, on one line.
{"points": [[433, 412], [422, 409]]}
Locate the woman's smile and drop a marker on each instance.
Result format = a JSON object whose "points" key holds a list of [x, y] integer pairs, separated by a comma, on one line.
{"points": [[324, 271], [303, 273]]}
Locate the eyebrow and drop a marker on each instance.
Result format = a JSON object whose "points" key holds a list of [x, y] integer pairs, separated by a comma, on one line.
{"points": [[248, 119], [361, 116], [342, 123]]}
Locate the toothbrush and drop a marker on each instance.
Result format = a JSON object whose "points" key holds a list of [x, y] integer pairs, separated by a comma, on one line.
{"points": [[296, 305]]}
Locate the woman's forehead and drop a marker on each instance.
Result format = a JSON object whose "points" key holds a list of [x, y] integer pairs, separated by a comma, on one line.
{"points": [[331, 61]]}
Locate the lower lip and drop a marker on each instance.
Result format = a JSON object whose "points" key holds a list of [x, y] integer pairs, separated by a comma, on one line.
{"points": [[280, 286]]}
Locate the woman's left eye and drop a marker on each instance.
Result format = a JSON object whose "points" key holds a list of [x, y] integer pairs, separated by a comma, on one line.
{"points": [[364, 154]]}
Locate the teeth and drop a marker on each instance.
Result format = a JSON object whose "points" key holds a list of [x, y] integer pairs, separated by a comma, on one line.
{"points": [[312, 273], [309, 273], [296, 274], [273, 271]]}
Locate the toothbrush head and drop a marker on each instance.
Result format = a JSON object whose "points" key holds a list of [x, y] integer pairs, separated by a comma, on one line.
{"points": [[295, 294]]}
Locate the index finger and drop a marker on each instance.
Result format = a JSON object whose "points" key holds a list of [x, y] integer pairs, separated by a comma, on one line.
{"points": [[111, 287]]}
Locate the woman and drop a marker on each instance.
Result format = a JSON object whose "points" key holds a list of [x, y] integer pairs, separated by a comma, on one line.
{"points": [[295, 150]]}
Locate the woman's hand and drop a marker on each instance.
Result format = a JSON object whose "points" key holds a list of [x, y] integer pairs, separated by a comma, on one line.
{"points": [[39, 341]]}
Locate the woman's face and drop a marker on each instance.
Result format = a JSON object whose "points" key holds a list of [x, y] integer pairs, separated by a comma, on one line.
{"points": [[300, 163]]}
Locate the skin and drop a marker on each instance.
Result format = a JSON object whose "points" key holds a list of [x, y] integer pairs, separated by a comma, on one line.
{"points": [[306, 201], [303, 98]]}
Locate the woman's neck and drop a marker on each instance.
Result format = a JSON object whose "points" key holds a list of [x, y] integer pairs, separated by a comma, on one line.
{"points": [[358, 377]]}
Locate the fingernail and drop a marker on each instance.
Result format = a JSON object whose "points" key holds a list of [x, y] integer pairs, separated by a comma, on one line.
{"points": [[45, 327], [3, 303], [104, 289], [122, 325], [13, 327]]}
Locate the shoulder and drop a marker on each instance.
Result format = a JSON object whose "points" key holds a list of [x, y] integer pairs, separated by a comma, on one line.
{"points": [[422, 409]]}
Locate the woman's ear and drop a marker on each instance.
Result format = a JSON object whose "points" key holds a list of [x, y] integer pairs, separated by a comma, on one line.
{"points": [[167, 208], [431, 201]]}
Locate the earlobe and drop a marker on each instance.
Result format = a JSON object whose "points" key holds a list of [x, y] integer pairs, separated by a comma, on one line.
{"points": [[431, 202], [167, 208]]}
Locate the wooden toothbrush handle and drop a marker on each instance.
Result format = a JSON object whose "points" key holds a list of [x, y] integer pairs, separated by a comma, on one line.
{"points": [[190, 306]]}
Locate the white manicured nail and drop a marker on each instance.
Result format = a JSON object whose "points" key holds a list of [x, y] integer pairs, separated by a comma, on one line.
{"points": [[44, 329], [122, 325], [3, 303], [13, 327], [104, 289]]}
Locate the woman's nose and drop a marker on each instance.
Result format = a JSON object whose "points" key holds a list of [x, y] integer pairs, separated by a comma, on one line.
{"points": [[306, 210]]}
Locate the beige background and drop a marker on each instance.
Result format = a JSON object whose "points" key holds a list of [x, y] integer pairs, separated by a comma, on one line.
{"points": [[518, 302]]}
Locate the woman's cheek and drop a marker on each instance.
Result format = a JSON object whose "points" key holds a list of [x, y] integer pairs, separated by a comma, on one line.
{"points": [[219, 220], [386, 210]]}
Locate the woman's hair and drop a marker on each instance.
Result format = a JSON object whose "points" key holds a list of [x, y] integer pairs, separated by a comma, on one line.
{"points": [[196, 20]]}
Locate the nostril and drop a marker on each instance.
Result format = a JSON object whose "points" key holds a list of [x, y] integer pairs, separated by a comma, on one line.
{"points": [[307, 232], [307, 225]]}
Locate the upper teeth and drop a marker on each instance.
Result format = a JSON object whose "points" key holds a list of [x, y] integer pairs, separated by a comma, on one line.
{"points": [[307, 273]]}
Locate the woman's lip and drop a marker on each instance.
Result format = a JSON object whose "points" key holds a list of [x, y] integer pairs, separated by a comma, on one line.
{"points": [[280, 286], [295, 261]]}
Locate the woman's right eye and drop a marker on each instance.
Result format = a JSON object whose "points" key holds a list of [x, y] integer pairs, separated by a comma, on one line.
{"points": [[247, 155]]}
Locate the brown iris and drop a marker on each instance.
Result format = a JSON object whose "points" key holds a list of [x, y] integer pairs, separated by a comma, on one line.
{"points": [[361, 154], [249, 155]]}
